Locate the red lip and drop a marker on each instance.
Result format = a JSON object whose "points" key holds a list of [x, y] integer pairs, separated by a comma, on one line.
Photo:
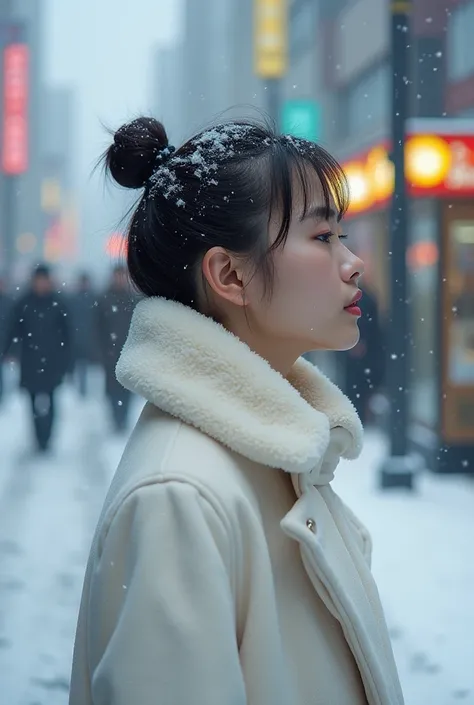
{"points": [[354, 310], [356, 298]]}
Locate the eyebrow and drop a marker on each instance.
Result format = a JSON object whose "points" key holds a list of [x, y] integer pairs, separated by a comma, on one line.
{"points": [[320, 213]]}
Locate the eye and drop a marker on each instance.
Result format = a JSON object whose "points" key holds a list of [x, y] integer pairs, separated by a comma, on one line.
{"points": [[326, 237]]}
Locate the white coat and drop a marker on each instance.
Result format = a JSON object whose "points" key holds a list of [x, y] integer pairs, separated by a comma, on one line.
{"points": [[224, 569]]}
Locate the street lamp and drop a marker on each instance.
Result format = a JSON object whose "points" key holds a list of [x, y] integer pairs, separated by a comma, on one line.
{"points": [[399, 468]]}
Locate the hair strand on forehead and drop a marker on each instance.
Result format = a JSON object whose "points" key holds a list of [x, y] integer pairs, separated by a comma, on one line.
{"points": [[299, 169]]}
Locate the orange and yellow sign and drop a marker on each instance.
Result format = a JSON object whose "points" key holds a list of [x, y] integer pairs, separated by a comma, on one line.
{"points": [[270, 38], [435, 165]]}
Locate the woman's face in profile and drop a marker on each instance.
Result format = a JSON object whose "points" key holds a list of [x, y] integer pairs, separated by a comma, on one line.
{"points": [[316, 279]]}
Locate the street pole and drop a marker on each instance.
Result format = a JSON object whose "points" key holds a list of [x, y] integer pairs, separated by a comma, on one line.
{"points": [[272, 86], [8, 224], [399, 467]]}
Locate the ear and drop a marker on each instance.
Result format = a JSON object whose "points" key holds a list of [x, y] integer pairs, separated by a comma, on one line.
{"points": [[224, 274]]}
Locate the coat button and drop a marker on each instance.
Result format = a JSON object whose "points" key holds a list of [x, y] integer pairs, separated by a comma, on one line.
{"points": [[311, 524]]}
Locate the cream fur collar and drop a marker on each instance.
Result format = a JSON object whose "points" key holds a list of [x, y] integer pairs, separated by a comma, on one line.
{"points": [[191, 367]]}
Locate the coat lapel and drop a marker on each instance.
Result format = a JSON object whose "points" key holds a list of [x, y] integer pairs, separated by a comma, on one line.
{"points": [[340, 575]]}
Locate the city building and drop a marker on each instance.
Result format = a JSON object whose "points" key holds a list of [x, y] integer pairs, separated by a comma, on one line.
{"points": [[166, 91], [58, 207], [459, 94], [248, 92], [354, 91], [205, 48], [300, 106], [21, 65], [209, 72]]}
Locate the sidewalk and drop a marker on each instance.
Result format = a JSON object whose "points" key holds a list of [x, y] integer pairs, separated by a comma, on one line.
{"points": [[424, 566], [423, 556], [48, 509]]}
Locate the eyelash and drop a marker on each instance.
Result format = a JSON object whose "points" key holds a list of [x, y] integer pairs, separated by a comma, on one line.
{"points": [[326, 237]]}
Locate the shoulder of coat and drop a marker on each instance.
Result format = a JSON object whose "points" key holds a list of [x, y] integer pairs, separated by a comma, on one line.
{"points": [[167, 450]]}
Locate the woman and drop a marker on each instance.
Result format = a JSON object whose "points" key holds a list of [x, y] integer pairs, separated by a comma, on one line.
{"points": [[225, 570]]}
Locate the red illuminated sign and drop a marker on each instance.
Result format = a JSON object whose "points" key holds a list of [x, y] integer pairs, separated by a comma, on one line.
{"points": [[15, 109], [436, 165]]}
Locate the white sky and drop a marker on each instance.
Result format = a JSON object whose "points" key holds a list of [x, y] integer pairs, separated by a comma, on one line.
{"points": [[103, 49]]}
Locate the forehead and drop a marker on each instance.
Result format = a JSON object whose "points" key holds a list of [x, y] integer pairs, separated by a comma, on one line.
{"points": [[310, 199]]}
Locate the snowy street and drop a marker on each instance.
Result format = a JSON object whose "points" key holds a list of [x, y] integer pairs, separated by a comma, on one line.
{"points": [[48, 508], [423, 563]]}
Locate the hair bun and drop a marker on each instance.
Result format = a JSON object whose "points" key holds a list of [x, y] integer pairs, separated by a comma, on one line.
{"points": [[131, 159]]}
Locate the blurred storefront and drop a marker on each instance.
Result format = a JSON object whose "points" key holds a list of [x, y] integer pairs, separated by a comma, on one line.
{"points": [[353, 90], [440, 261]]}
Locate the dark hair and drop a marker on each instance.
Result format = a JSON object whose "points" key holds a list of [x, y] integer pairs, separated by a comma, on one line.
{"points": [[220, 188]]}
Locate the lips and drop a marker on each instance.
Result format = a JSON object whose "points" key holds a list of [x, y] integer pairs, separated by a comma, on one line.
{"points": [[356, 298]]}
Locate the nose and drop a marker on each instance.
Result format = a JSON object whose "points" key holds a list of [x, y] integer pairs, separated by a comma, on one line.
{"points": [[352, 268]]}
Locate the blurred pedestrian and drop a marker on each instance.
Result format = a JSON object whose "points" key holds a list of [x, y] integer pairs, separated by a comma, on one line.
{"points": [[40, 327], [6, 303], [114, 312], [83, 305], [224, 567], [365, 362]]}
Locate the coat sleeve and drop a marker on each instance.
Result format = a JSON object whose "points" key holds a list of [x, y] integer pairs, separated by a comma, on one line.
{"points": [[161, 611]]}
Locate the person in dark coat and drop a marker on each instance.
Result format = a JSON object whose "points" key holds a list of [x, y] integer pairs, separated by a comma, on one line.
{"points": [[6, 304], [114, 313], [364, 364], [39, 326], [83, 305]]}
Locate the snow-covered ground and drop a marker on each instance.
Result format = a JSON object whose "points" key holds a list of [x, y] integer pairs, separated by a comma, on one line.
{"points": [[424, 566], [48, 510], [423, 558]]}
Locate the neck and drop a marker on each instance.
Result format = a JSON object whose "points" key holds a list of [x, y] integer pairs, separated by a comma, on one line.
{"points": [[281, 354]]}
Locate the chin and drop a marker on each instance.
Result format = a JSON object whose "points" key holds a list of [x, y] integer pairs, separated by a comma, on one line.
{"points": [[351, 341], [340, 343]]}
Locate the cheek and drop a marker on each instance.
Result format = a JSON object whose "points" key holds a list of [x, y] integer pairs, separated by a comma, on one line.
{"points": [[306, 283], [308, 273]]}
